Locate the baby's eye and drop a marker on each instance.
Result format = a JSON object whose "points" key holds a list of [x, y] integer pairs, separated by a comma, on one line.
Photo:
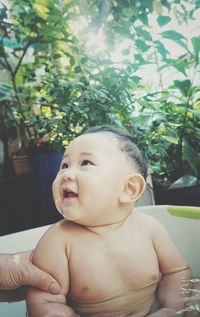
{"points": [[64, 165], [86, 162]]}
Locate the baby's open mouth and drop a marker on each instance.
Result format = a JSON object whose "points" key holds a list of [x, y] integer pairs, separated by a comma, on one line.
{"points": [[69, 194]]}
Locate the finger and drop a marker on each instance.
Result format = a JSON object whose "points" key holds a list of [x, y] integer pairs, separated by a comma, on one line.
{"points": [[42, 280]]}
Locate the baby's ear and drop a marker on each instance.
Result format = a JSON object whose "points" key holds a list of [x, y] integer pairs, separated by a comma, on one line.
{"points": [[133, 189]]}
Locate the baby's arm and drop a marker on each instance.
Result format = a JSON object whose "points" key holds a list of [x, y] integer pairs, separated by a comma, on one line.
{"points": [[173, 267], [40, 304], [51, 255]]}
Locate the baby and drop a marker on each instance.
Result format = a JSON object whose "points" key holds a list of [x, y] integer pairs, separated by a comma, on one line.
{"points": [[109, 259]]}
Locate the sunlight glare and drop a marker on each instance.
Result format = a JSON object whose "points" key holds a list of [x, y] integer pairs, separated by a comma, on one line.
{"points": [[79, 25], [96, 42], [117, 55]]}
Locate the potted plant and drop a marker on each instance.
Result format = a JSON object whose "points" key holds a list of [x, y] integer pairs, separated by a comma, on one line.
{"points": [[56, 88], [170, 134], [43, 105], [166, 120]]}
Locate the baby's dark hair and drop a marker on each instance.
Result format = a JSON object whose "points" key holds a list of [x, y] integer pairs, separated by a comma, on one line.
{"points": [[127, 145]]}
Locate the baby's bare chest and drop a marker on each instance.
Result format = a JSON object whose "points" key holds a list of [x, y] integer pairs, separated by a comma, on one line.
{"points": [[103, 268]]}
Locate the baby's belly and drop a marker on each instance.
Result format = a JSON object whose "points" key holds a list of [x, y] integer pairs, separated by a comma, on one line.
{"points": [[135, 303]]}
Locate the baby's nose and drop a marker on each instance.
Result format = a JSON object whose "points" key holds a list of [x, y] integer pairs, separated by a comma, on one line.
{"points": [[68, 174]]}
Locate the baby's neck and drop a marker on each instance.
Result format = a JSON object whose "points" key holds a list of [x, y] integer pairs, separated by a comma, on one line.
{"points": [[106, 229]]}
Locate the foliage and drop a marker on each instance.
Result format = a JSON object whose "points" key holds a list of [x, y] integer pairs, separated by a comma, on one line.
{"points": [[59, 83]]}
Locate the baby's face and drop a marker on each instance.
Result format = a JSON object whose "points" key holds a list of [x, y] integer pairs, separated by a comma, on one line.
{"points": [[91, 179]]}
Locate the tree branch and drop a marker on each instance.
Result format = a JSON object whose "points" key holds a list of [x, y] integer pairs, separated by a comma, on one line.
{"points": [[4, 65], [21, 58], [7, 64]]}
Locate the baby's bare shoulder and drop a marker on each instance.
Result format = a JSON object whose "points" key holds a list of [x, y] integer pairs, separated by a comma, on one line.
{"points": [[59, 236], [148, 221], [65, 228]]}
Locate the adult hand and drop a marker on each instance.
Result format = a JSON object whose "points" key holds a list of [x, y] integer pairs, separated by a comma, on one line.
{"points": [[17, 270]]}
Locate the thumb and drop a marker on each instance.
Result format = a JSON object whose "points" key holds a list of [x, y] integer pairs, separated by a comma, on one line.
{"points": [[42, 280]]}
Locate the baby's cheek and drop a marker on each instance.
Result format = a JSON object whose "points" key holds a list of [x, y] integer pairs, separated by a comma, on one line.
{"points": [[56, 194]]}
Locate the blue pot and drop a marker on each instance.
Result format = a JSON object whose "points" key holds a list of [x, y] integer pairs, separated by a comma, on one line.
{"points": [[44, 168]]}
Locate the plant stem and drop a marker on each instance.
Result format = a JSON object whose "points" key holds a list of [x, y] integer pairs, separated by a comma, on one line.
{"points": [[13, 74], [182, 131], [21, 58], [181, 136]]}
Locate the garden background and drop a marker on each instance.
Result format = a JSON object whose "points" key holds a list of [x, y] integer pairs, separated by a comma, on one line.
{"points": [[68, 65]]}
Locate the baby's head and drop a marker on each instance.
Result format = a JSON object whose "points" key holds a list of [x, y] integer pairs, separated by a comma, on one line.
{"points": [[127, 145], [100, 178]]}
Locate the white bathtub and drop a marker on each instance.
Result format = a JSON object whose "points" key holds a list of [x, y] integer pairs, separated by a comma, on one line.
{"points": [[182, 223]]}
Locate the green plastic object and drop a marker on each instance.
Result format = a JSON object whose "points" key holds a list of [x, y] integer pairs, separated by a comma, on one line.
{"points": [[184, 211]]}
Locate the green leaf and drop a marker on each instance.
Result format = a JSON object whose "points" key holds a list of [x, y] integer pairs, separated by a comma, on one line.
{"points": [[141, 45], [68, 5], [161, 48], [84, 60], [196, 45], [49, 33], [124, 31], [172, 35], [180, 65], [143, 18], [191, 155], [183, 86], [175, 37], [3, 12], [196, 113], [170, 139], [126, 51], [163, 19], [57, 55], [27, 19], [41, 9], [136, 79], [77, 69], [143, 33], [139, 58]]}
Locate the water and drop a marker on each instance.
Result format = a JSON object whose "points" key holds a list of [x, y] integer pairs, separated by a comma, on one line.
{"points": [[190, 291]]}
